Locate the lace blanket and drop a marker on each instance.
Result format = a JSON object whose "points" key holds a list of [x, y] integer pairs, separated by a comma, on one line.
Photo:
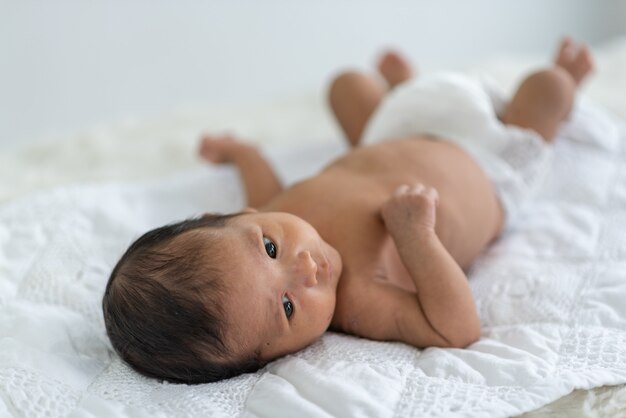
{"points": [[550, 295]]}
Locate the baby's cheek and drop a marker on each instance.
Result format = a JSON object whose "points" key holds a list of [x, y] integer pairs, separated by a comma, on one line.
{"points": [[328, 310]]}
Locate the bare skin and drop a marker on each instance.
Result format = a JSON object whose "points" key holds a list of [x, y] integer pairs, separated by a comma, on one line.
{"points": [[394, 68], [406, 216]]}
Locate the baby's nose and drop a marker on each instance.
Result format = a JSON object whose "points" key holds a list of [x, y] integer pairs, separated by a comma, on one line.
{"points": [[306, 268]]}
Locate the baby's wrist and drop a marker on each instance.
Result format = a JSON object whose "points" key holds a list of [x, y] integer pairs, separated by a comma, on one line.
{"points": [[242, 151], [414, 233]]}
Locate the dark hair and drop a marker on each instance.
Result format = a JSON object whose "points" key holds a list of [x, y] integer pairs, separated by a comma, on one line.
{"points": [[162, 308]]}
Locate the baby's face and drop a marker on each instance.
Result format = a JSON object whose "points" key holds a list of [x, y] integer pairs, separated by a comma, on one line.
{"points": [[281, 280]]}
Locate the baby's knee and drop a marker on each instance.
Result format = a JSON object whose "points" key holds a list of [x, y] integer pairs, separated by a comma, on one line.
{"points": [[555, 86], [345, 83]]}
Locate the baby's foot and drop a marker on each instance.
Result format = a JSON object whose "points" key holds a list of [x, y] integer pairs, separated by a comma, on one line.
{"points": [[575, 58], [394, 68]]}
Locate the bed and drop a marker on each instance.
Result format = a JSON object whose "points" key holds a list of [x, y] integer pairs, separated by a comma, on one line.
{"points": [[550, 292]]}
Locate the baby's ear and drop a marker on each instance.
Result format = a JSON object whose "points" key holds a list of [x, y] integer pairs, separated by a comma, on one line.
{"points": [[249, 210]]}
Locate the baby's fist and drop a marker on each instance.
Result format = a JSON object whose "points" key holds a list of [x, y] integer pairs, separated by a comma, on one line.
{"points": [[221, 148], [411, 207]]}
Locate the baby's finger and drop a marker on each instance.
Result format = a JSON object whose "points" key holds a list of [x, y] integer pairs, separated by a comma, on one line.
{"points": [[402, 189], [433, 194], [418, 188], [228, 137]]}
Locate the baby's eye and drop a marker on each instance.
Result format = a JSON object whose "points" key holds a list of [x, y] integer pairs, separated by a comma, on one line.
{"points": [[270, 247], [288, 306]]}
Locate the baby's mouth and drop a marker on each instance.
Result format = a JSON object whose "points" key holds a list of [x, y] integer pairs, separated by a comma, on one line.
{"points": [[329, 267], [326, 267]]}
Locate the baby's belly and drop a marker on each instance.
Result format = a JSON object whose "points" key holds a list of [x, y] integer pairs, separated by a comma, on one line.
{"points": [[469, 215]]}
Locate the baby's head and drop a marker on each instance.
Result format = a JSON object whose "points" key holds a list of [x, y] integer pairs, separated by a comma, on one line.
{"points": [[210, 298]]}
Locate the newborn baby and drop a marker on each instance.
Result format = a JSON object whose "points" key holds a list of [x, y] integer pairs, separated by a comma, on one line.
{"points": [[375, 245]]}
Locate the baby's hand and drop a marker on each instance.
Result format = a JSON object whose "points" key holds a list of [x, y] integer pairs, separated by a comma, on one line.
{"points": [[221, 149], [411, 207]]}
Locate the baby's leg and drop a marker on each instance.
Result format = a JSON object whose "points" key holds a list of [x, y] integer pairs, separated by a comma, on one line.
{"points": [[354, 96], [545, 98]]}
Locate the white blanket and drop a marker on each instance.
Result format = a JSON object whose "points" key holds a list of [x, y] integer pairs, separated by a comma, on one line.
{"points": [[550, 295]]}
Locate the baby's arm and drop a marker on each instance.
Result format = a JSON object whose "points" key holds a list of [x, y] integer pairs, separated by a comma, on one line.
{"points": [[443, 293], [260, 181]]}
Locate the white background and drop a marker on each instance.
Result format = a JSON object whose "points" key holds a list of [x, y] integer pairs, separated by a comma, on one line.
{"points": [[69, 65]]}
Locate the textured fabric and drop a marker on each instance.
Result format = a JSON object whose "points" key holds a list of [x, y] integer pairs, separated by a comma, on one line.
{"points": [[549, 292], [464, 110]]}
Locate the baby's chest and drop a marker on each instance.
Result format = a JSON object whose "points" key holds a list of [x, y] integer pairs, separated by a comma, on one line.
{"points": [[393, 268], [377, 263], [367, 250]]}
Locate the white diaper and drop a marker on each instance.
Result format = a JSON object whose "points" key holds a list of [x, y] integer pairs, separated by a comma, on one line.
{"points": [[464, 110]]}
